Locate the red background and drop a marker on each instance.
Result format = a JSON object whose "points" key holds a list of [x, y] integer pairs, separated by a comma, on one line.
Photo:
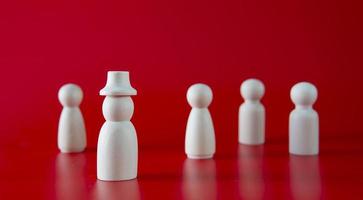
{"points": [[167, 46]]}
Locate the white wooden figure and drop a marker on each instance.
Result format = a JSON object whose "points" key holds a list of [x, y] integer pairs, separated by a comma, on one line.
{"points": [[117, 151], [200, 139], [304, 120], [251, 120], [71, 129]]}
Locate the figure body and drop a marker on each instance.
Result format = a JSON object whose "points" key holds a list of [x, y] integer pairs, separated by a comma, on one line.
{"points": [[117, 151]]}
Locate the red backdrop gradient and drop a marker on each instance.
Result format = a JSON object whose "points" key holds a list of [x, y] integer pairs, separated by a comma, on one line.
{"points": [[169, 45]]}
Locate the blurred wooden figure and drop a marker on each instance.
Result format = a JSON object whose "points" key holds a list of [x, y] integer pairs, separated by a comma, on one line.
{"points": [[199, 138], [304, 120], [71, 129], [251, 119]]}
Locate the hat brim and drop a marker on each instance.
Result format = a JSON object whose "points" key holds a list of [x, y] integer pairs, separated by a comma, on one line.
{"points": [[118, 91]]}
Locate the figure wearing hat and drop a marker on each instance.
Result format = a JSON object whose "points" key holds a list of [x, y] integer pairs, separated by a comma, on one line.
{"points": [[117, 143]]}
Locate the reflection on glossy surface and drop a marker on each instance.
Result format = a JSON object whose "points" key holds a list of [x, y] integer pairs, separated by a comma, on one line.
{"points": [[250, 169], [70, 176], [117, 190], [305, 179], [199, 179]]}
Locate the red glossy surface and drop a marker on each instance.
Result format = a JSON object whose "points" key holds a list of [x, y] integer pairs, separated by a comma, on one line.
{"points": [[237, 172], [166, 46]]}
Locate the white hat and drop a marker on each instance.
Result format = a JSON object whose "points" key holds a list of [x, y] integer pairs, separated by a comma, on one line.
{"points": [[118, 84]]}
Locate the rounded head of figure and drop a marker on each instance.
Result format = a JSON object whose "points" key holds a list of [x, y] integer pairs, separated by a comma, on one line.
{"points": [[304, 94], [70, 95], [252, 89], [118, 108], [199, 95]]}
